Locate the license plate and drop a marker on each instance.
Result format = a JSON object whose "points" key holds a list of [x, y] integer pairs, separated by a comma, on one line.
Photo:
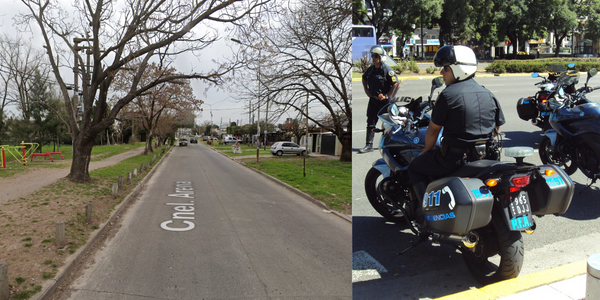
{"points": [[520, 212], [519, 206]]}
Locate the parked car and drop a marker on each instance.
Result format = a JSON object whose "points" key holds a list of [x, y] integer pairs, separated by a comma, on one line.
{"points": [[281, 148], [193, 141], [205, 138], [230, 140], [183, 142]]}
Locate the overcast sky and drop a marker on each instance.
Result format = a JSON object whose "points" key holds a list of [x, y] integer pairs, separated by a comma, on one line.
{"points": [[225, 106]]}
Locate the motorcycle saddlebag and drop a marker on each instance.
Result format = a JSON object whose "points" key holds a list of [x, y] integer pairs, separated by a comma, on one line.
{"points": [[527, 109], [550, 194], [457, 205]]}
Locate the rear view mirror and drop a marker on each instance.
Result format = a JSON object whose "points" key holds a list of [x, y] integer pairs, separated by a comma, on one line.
{"points": [[393, 109], [437, 82], [592, 72]]}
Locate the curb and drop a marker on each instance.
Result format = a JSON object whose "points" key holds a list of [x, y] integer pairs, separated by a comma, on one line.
{"points": [[415, 77], [51, 286], [289, 187], [520, 284]]}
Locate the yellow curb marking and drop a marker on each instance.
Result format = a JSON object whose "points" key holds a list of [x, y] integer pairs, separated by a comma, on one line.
{"points": [[523, 283]]}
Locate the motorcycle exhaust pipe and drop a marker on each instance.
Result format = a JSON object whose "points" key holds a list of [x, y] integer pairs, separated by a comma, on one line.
{"points": [[470, 240]]}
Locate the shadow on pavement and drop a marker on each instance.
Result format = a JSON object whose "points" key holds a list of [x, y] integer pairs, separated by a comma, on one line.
{"points": [[585, 204], [428, 270], [521, 139]]}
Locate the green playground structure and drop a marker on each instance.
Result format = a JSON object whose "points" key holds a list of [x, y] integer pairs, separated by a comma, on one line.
{"points": [[21, 153]]}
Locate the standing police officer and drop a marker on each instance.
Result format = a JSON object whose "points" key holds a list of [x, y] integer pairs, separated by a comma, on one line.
{"points": [[469, 114], [378, 82]]}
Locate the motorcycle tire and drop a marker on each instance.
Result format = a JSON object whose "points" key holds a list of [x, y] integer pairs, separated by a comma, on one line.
{"points": [[588, 162], [546, 151], [383, 207], [495, 240]]}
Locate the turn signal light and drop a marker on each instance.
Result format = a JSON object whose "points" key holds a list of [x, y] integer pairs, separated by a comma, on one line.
{"points": [[491, 182], [549, 172]]}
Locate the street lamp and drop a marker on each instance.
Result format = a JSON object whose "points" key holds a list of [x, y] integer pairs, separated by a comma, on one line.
{"points": [[258, 100]]}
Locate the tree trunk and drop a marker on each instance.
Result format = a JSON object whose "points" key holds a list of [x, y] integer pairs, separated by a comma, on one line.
{"points": [[346, 141], [148, 147], [82, 152]]}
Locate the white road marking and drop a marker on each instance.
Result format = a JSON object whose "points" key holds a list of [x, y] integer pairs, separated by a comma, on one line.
{"points": [[365, 267]]}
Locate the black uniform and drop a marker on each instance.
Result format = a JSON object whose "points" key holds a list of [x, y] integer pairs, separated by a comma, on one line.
{"points": [[379, 81], [469, 114]]}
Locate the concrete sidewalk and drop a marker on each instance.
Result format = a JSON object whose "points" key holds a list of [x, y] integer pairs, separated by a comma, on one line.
{"points": [[566, 282]]}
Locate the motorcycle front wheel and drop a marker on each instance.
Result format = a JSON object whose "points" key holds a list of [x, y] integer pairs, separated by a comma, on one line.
{"points": [[548, 156], [498, 255], [588, 162], [385, 208]]}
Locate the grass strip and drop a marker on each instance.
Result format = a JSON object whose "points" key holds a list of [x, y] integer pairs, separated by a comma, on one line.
{"points": [[29, 224], [98, 153]]}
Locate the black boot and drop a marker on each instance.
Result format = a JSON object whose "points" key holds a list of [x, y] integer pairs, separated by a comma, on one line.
{"points": [[369, 145], [419, 192]]}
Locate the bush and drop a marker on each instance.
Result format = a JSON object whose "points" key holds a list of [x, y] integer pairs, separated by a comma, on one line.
{"points": [[431, 70], [516, 66], [363, 64], [401, 67], [413, 67]]}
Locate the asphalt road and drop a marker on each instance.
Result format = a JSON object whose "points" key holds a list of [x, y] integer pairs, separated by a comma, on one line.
{"points": [[208, 228], [431, 270]]}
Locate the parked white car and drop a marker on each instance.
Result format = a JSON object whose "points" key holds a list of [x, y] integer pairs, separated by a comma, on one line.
{"points": [[230, 140], [281, 148]]}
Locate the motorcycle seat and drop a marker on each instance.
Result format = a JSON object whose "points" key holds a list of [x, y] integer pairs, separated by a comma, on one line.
{"points": [[475, 167]]}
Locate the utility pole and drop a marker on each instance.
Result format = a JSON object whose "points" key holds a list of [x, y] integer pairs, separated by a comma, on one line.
{"points": [[258, 100], [306, 138]]}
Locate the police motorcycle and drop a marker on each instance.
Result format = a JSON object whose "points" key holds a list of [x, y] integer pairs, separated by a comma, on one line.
{"points": [[537, 108], [481, 209], [573, 141]]}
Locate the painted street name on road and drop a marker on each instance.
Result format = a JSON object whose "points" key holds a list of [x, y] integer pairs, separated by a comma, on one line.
{"points": [[183, 211]]}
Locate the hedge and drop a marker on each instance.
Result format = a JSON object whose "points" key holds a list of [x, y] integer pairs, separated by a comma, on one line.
{"points": [[528, 66]]}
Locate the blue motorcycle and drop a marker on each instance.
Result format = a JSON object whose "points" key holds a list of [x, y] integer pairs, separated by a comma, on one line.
{"points": [[481, 209]]}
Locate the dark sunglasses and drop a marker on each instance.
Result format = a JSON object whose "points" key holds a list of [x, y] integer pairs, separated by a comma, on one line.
{"points": [[375, 56]]}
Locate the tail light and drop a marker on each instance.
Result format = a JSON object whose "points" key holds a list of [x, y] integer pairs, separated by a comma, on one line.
{"points": [[544, 97], [519, 182]]}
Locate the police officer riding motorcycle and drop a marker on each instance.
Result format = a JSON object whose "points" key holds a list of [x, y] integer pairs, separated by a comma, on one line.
{"points": [[469, 114], [481, 206]]}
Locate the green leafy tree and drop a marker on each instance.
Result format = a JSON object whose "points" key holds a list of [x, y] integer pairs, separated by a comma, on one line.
{"points": [[359, 12], [591, 25], [520, 20], [398, 16]]}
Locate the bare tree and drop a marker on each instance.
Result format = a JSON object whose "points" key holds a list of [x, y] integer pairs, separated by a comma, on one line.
{"points": [[309, 57], [19, 63], [113, 34], [150, 106]]}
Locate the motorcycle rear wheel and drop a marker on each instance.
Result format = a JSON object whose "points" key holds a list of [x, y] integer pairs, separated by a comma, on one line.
{"points": [[496, 240], [548, 156], [385, 208]]}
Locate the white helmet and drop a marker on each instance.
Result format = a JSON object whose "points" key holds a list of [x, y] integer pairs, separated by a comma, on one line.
{"points": [[379, 51], [461, 59]]}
